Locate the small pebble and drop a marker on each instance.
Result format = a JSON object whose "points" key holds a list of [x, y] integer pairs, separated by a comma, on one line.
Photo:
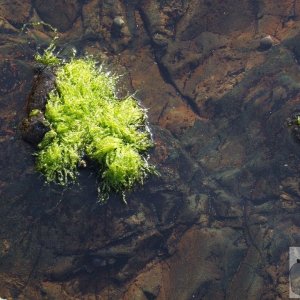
{"points": [[119, 22], [266, 43], [160, 40]]}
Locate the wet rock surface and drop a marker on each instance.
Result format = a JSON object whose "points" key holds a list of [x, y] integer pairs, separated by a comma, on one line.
{"points": [[60, 14], [16, 12], [219, 221], [34, 126]]}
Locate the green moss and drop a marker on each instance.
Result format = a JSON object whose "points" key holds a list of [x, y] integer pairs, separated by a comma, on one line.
{"points": [[35, 112], [48, 57], [87, 120]]}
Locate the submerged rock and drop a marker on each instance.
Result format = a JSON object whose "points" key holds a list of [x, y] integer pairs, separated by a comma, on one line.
{"points": [[60, 14], [218, 222], [35, 126], [266, 43], [43, 84], [17, 12], [119, 22]]}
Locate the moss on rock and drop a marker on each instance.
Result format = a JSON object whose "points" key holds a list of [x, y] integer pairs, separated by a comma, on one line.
{"points": [[88, 121]]}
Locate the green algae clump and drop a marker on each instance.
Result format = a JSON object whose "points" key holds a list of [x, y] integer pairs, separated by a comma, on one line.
{"points": [[48, 57], [88, 122]]}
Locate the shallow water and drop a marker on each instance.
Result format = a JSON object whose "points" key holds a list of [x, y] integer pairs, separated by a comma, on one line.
{"points": [[219, 221]]}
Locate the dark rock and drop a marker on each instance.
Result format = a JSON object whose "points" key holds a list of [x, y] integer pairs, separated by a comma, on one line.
{"points": [[214, 16], [118, 29], [98, 262], [60, 14], [293, 44], [151, 15], [17, 12], [118, 22], [160, 39], [208, 41], [43, 84], [8, 77], [266, 43], [279, 244], [34, 128]]}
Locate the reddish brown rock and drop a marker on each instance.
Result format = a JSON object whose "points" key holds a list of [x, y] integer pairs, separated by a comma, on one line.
{"points": [[276, 8], [107, 22], [218, 222], [17, 12], [177, 279], [60, 14]]}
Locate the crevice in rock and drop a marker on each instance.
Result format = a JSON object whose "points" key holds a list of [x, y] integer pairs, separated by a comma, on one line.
{"points": [[168, 79], [34, 265], [130, 7], [255, 12], [162, 111], [159, 52], [294, 9], [248, 236]]}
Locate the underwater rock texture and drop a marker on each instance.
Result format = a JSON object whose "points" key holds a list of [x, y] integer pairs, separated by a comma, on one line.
{"points": [[219, 221]]}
